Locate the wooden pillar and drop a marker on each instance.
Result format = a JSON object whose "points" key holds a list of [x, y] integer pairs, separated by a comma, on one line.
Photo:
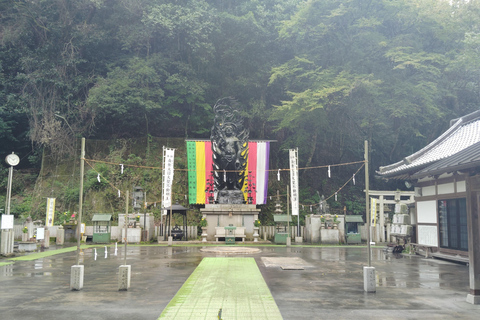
{"points": [[381, 219], [473, 224]]}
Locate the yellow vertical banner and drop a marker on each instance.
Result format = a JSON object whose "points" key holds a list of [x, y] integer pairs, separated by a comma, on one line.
{"points": [[50, 216], [200, 164]]}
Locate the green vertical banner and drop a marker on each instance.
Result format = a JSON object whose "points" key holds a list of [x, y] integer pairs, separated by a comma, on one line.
{"points": [[192, 172]]}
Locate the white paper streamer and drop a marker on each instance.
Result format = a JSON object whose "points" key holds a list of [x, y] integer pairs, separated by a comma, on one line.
{"points": [[335, 196], [354, 179], [278, 175], [224, 175], [118, 193], [329, 173], [98, 177], [121, 170]]}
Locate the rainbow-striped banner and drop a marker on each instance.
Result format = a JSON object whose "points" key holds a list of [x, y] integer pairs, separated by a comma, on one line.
{"points": [[200, 166]]}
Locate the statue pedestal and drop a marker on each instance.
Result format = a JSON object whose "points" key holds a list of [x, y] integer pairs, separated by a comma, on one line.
{"points": [[224, 215], [330, 236]]}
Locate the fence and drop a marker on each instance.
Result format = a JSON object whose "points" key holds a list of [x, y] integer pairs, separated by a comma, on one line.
{"points": [[265, 232], [191, 230], [268, 232], [18, 231]]}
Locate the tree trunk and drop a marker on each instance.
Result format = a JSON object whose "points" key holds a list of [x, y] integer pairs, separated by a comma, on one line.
{"points": [[312, 150]]}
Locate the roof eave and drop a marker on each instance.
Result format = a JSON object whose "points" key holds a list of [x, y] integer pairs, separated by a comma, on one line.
{"points": [[461, 167]]}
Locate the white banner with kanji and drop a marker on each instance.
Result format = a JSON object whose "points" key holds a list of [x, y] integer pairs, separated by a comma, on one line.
{"points": [[373, 211], [293, 159], [50, 216], [168, 161]]}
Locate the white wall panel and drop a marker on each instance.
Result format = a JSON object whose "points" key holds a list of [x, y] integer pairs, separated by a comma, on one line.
{"points": [[427, 235], [461, 186], [446, 188], [428, 191], [427, 211]]}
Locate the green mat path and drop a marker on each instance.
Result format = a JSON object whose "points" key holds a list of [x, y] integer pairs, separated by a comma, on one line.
{"points": [[234, 285]]}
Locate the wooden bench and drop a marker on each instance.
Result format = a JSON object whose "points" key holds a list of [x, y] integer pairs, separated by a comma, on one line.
{"points": [[239, 233], [426, 248], [450, 257]]}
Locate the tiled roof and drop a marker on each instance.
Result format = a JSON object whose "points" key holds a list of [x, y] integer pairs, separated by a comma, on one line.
{"points": [[465, 159], [102, 217], [464, 133]]}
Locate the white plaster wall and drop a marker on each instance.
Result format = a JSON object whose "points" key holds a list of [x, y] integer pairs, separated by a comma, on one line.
{"points": [[427, 211], [428, 191], [427, 235], [461, 186], [446, 188], [134, 235]]}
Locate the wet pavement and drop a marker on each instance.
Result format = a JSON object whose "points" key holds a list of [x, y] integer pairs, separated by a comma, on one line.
{"points": [[306, 283]]}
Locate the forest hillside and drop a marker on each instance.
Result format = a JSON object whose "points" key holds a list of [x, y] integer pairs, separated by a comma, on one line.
{"points": [[322, 76]]}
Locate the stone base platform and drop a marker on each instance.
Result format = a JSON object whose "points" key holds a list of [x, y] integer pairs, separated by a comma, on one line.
{"points": [[27, 246], [223, 215], [231, 250]]}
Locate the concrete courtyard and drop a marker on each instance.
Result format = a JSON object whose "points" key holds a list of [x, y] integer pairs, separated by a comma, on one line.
{"points": [[305, 282]]}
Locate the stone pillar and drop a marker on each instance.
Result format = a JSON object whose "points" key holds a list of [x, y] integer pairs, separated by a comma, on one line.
{"points": [[76, 277], [369, 283], [7, 239], [29, 225], [473, 224], [60, 236], [124, 272], [46, 240]]}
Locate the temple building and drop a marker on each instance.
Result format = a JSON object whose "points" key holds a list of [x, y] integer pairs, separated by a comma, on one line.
{"points": [[446, 176]]}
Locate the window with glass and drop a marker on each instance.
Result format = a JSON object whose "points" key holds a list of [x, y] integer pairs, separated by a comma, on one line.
{"points": [[101, 227], [452, 220]]}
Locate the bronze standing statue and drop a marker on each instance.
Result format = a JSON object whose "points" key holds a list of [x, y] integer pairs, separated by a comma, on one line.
{"points": [[230, 152]]}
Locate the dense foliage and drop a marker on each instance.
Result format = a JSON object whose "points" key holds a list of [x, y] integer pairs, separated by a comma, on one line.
{"points": [[320, 75]]}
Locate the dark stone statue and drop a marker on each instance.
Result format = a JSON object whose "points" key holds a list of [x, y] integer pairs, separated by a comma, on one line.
{"points": [[230, 152]]}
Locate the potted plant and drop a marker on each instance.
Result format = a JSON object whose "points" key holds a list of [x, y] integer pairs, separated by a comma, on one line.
{"points": [[335, 222], [322, 219], [256, 227], [72, 218], [25, 234], [137, 218]]}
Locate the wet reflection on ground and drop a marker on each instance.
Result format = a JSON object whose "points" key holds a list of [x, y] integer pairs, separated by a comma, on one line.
{"points": [[331, 279]]}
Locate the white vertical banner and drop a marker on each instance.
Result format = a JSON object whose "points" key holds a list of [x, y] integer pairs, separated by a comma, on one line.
{"points": [[50, 216], [293, 159], [373, 211], [168, 160]]}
